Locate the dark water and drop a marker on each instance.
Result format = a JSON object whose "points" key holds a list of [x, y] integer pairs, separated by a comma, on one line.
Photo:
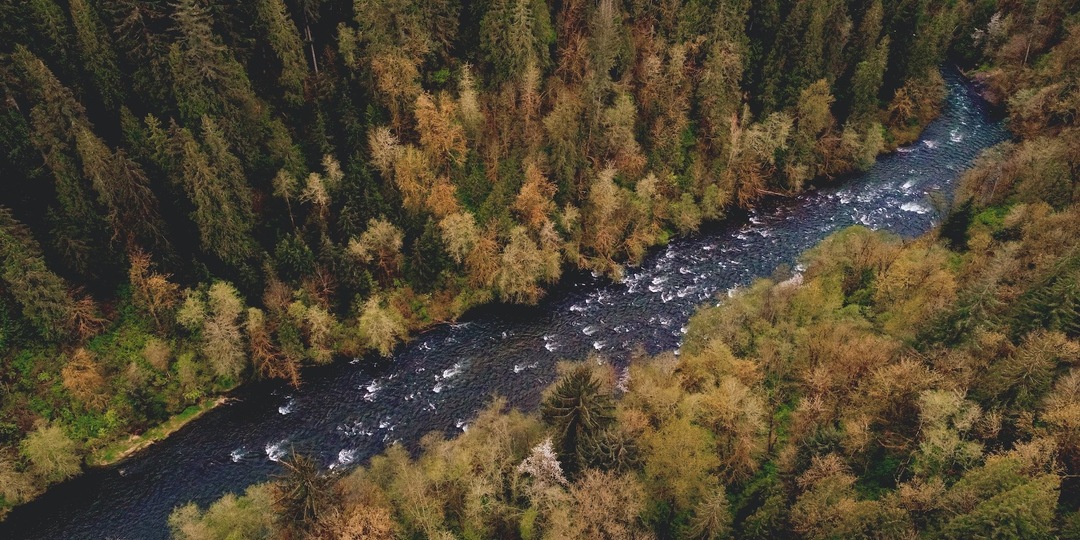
{"points": [[347, 412]]}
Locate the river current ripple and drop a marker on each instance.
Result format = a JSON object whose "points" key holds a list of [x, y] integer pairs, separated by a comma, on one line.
{"points": [[347, 412]]}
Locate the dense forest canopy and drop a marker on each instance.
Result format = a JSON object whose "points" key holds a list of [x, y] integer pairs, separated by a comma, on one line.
{"points": [[201, 191]]}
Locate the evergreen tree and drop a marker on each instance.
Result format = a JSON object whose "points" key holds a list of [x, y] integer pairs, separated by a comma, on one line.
{"points": [[213, 182], [43, 295], [577, 409], [515, 34], [285, 40], [96, 52]]}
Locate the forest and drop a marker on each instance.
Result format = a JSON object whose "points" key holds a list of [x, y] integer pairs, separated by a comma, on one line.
{"points": [[199, 193], [895, 388]]}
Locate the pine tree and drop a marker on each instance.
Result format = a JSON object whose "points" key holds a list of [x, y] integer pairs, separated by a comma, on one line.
{"points": [[53, 30], [577, 410], [212, 181], [209, 81], [284, 39], [96, 52], [79, 230], [303, 493], [122, 188], [867, 81], [43, 295], [515, 34]]}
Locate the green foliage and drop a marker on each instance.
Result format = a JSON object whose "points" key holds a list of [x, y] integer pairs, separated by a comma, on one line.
{"points": [[577, 410], [51, 453], [249, 516], [515, 34]]}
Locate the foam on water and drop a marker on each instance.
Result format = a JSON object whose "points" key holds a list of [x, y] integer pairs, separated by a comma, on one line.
{"points": [[345, 456], [238, 454], [372, 389], [275, 451], [914, 207], [518, 368], [453, 370]]}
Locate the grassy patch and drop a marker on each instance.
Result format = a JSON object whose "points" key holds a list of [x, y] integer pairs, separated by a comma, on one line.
{"points": [[119, 450]]}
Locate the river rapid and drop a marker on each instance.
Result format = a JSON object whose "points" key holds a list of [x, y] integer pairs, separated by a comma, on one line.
{"points": [[348, 412]]}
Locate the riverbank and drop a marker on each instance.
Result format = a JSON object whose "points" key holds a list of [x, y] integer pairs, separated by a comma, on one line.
{"points": [[118, 451]]}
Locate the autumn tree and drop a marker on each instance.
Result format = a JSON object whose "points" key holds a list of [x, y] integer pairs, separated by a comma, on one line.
{"points": [[381, 327], [752, 161], [525, 267], [607, 505], [534, 202], [83, 378], [250, 515], [221, 332], [380, 245], [461, 235], [215, 316], [679, 465], [604, 218], [442, 138], [265, 357], [152, 291]]}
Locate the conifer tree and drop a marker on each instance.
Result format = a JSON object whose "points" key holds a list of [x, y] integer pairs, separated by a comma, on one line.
{"points": [[96, 52], [211, 178], [285, 40], [42, 295]]}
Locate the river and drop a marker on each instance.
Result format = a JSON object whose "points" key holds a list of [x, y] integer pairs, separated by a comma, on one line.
{"points": [[347, 412]]}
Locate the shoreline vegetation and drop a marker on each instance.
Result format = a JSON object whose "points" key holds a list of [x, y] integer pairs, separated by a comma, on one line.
{"points": [[212, 191], [117, 451], [121, 450]]}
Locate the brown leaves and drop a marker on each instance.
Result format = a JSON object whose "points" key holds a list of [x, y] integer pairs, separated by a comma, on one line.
{"points": [[534, 202], [84, 379], [152, 292], [441, 136]]}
